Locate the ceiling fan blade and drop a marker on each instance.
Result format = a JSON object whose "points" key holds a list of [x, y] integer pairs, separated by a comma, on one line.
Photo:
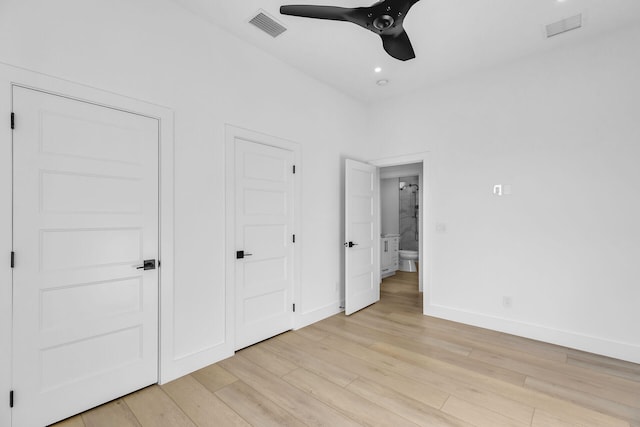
{"points": [[318, 12], [398, 45]]}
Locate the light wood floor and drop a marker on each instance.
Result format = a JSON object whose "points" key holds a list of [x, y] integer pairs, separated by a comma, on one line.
{"points": [[389, 365]]}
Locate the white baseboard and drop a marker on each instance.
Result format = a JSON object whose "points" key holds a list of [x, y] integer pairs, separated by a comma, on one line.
{"points": [[309, 317], [192, 362], [616, 349], [187, 364]]}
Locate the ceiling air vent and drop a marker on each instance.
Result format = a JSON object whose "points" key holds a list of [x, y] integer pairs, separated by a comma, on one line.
{"points": [[568, 24], [267, 24]]}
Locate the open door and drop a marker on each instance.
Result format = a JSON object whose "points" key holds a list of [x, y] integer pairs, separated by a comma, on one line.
{"points": [[362, 236]]}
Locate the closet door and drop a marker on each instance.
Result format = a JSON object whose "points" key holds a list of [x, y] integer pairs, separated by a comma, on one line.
{"points": [[264, 267], [85, 219]]}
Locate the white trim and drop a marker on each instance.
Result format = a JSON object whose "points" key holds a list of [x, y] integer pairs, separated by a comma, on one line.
{"points": [[426, 224], [6, 177], [231, 133], [588, 343], [10, 75]]}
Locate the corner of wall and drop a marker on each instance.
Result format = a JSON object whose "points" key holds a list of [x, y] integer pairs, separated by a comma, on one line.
{"points": [[309, 317]]}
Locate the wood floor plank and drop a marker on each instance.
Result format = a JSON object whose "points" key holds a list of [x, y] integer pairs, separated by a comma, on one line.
{"points": [[432, 345], [269, 360], [256, 408], [303, 406], [583, 380], [337, 325], [331, 371], [312, 333], [113, 413], [474, 340], [153, 408], [371, 364], [477, 415], [203, 407], [412, 409], [475, 336], [214, 377], [361, 410], [72, 422], [548, 403], [614, 408], [426, 391], [576, 417], [451, 360], [544, 419], [606, 365], [517, 411]]}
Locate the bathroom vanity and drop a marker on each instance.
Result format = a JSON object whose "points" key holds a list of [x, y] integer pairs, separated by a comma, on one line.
{"points": [[389, 245]]}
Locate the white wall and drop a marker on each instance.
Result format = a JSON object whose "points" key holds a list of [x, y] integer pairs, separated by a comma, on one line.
{"points": [[562, 128], [389, 206], [155, 51]]}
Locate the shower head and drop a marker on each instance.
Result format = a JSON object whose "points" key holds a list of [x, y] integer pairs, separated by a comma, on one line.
{"points": [[404, 185]]}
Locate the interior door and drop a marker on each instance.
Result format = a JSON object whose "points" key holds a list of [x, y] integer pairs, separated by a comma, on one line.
{"points": [[264, 190], [362, 236], [85, 328]]}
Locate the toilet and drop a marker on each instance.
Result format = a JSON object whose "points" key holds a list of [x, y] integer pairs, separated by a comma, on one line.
{"points": [[408, 260]]}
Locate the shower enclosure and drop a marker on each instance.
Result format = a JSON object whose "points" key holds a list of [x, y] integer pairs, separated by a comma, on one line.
{"points": [[409, 213]]}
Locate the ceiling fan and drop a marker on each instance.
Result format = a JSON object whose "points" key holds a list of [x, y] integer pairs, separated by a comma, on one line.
{"points": [[383, 18]]}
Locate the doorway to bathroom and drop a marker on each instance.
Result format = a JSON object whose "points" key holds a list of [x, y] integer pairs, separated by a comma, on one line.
{"points": [[402, 201]]}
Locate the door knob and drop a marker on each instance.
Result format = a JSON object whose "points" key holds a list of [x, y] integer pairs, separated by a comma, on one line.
{"points": [[241, 254], [350, 244], [147, 264]]}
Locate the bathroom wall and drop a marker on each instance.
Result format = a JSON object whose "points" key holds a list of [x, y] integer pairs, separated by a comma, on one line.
{"points": [[389, 206], [408, 215]]}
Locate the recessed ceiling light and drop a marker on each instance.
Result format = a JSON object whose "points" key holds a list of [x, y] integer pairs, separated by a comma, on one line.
{"points": [[382, 82], [377, 69]]}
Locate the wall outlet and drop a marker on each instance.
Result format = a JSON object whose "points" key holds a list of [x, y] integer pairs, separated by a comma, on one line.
{"points": [[507, 302]]}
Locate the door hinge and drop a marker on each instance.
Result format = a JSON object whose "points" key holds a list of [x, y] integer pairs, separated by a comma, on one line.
{"points": [[13, 259], [293, 238], [13, 120], [294, 307], [11, 399], [294, 169]]}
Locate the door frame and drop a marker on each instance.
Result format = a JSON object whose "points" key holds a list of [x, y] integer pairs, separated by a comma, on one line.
{"points": [[13, 76], [231, 133], [426, 223]]}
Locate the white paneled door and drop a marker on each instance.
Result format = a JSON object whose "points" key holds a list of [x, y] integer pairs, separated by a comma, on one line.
{"points": [[264, 217], [362, 236], [85, 327]]}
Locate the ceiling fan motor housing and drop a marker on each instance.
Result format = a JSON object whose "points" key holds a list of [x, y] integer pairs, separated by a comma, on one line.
{"points": [[383, 22]]}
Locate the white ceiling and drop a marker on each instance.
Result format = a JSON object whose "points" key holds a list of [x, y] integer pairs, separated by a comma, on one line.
{"points": [[450, 37]]}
